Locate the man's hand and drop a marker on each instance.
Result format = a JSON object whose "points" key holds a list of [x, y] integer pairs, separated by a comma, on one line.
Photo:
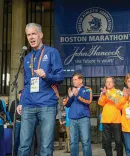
{"points": [[40, 73], [75, 91], [126, 92], [70, 93], [19, 109], [104, 90]]}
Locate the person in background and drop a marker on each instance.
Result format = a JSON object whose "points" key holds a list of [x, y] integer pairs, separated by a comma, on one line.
{"points": [[61, 127], [111, 117], [79, 99], [17, 123], [67, 123], [124, 106], [2, 112]]}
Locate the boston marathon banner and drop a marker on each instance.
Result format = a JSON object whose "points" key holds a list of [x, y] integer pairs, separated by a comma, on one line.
{"points": [[93, 37]]}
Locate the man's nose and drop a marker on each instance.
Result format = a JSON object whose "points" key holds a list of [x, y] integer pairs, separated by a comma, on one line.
{"points": [[31, 36]]}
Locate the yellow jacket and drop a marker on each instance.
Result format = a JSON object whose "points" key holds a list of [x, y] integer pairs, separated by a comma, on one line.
{"points": [[110, 102], [125, 121]]}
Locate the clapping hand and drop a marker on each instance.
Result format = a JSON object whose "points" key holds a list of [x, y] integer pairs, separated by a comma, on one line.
{"points": [[126, 92], [75, 91], [104, 90], [70, 92]]}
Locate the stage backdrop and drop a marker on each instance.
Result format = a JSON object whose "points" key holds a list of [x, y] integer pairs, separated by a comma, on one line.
{"points": [[93, 36]]}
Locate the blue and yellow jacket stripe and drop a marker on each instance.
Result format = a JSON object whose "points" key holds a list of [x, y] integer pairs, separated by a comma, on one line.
{"points": [[79, 105]]}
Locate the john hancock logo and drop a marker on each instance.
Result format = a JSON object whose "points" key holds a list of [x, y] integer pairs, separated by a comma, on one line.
{"points": [[94, 20]]}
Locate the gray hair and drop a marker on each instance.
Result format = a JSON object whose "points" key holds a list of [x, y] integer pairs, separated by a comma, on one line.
{"points": [[38, 26]]}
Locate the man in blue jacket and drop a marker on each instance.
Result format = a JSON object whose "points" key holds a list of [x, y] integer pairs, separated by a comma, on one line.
{"points": [[79, 99], [42, 74]]}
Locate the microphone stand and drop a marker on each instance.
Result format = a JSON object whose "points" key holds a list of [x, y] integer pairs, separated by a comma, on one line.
{"points": [[15, 86]]}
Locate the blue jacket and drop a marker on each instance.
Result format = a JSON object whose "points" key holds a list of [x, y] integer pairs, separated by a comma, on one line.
{"points": [[48, 91], [79, 105]]}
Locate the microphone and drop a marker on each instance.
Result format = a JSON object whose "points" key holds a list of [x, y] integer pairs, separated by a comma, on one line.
{"points": [[23, 51]]}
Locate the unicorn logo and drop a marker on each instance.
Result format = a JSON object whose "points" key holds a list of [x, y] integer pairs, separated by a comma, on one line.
{"points": [[95, 25], [94, 20]]}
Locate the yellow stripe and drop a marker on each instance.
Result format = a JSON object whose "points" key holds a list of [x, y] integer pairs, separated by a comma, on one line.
{"points": [[84, 100]]}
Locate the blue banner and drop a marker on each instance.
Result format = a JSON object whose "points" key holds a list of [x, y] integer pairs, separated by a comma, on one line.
{"points": [[93, 37]]}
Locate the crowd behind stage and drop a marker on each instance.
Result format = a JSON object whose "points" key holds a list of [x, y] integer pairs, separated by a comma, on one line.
{"points": [[114, 118]]}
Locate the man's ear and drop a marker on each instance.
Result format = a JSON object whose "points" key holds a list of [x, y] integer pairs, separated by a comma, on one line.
{"points": [[41, 34], [81, 81]]}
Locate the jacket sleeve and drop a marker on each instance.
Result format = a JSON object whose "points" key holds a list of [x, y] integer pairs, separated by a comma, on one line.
{"points": [[69, 101], [26, 81], [102, 100], [85, 96], [121, 103], [56, 75], [21, 98]]}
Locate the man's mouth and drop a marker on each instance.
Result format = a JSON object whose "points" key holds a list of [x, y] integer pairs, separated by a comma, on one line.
{"points": [[32, 42]]}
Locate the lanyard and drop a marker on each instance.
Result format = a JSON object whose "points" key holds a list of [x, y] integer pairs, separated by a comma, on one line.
{"points": [[39, 62]]}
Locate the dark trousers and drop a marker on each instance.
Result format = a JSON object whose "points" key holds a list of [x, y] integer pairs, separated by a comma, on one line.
{"points": [[108, 131]]}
